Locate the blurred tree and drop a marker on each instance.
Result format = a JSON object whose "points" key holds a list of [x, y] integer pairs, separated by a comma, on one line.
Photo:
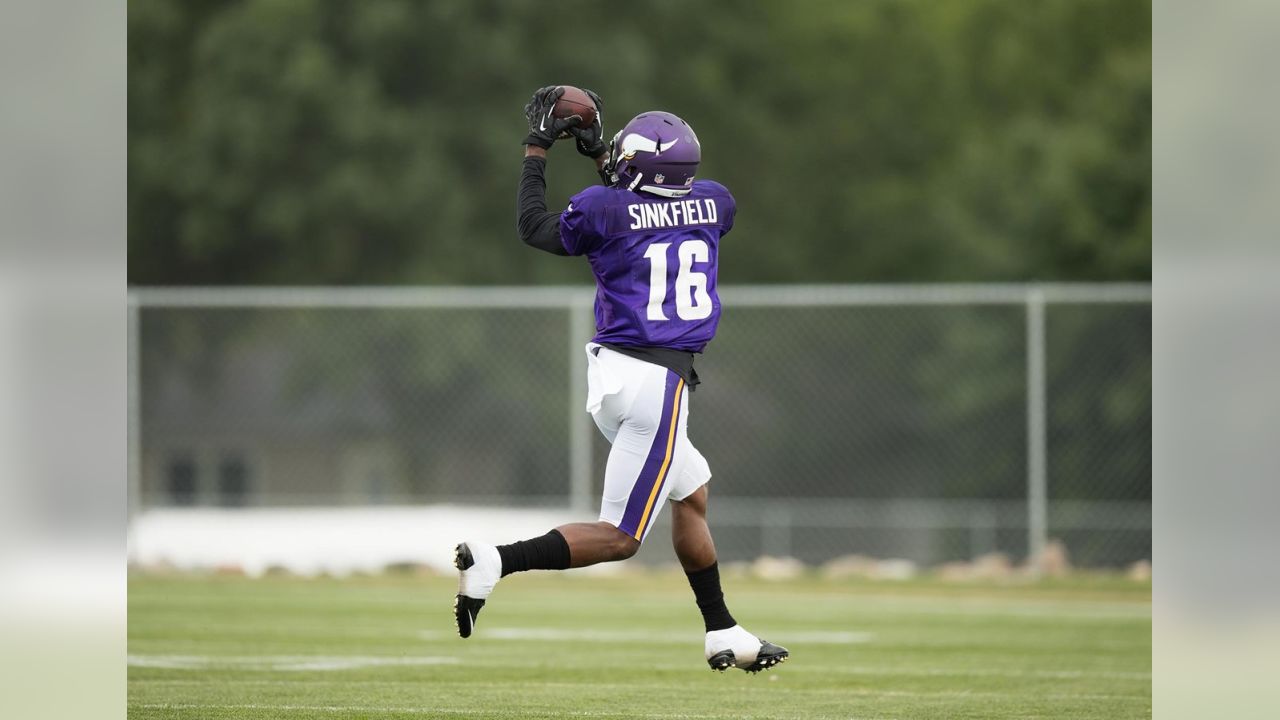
{"points": [[332, 141], [377, 142]]}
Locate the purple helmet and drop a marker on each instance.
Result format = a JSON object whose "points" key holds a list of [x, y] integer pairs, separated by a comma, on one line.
{"points": [[656, 152]]}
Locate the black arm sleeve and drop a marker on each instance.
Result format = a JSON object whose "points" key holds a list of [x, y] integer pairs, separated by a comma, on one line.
{"points": [[538, 228]]}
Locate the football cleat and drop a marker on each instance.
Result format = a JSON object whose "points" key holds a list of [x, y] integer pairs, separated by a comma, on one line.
{"points": [[768, 656], [735, 647], [465, 610], [479, 568], [721, 661]]}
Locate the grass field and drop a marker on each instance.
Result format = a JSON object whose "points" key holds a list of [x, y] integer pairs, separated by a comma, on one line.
{"points": [[552, 645]]}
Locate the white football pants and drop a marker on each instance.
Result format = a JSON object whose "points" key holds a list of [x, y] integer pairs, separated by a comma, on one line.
{"points": [[643, 410]]}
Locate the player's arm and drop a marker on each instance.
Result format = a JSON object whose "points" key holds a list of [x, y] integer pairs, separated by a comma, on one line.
{"points": [[537, 227]]}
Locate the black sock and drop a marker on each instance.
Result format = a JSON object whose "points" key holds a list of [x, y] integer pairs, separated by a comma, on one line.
{"points": [[546, 552], [706, 588]]}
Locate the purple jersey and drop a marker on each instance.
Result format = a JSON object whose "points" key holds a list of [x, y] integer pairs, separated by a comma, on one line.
{"points": [[654, 259]]}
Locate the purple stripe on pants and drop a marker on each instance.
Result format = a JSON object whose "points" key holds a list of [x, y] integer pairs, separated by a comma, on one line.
{"points": [[643, 488]]}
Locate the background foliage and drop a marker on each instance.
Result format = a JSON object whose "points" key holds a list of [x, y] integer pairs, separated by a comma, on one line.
{"points": [[339, 141], [378, 142]]}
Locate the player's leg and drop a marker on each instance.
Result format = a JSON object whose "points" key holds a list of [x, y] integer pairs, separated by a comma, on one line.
{"points": [[727, 643], [690, 533], [597, 542], [641, 428], [572, 545], [639, 422]]}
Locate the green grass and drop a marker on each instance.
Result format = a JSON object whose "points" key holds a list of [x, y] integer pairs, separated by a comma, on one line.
{"points": [[226, 647]]}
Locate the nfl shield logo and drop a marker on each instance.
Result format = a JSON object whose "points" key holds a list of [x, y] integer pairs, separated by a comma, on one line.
{"points": [[659, 178]]}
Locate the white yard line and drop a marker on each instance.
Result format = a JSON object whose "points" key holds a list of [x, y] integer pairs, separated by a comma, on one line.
{"points": [[436, 711], [284, 663], [433, 711], [298, 663], [777, 688], [976, 672], [770, 689], [642, 636], [987, 607]]}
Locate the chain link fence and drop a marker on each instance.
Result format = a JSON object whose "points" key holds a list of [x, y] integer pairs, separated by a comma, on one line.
{"points": [[932, 423]]}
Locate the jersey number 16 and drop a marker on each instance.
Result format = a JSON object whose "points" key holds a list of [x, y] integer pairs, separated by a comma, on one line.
{"points": [[692, 300]]}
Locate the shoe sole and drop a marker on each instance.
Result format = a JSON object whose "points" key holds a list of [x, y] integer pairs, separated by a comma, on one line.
{"points": [[465, 609]]}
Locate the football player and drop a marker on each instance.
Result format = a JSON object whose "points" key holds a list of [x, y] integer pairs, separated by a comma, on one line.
{"points": [[652, 234]]}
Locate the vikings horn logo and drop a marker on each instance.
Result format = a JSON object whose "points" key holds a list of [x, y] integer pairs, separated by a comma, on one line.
{"points": [[634, 143]]}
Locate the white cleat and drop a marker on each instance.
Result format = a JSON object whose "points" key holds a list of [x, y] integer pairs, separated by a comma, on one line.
{"points": [[735, 647], [479, 568]]}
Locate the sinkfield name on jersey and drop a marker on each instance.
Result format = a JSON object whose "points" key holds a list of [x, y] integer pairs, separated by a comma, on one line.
{"points": [[672, 213], [654, 261]]}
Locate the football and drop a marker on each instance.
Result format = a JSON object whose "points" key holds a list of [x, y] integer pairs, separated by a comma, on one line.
{"points": [[575, 101]]}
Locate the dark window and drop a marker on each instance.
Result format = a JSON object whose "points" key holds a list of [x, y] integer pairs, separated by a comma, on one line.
{"points": [[181, 480], [233, 482]]}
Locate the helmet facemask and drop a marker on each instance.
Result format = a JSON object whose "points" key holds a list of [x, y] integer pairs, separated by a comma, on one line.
{"points": [[609, 173]]}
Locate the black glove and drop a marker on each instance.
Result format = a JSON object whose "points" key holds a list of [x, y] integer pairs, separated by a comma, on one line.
{"points": [[591, 139], [543, 128]]}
